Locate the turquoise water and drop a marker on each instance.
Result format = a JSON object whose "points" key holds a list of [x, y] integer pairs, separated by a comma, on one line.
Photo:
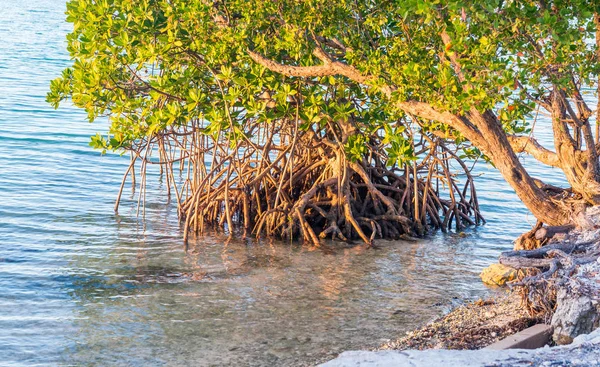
{"points": [[80, 285]]}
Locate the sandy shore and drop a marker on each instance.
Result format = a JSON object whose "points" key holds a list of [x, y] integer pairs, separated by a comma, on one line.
{"points": [[471, 326]]}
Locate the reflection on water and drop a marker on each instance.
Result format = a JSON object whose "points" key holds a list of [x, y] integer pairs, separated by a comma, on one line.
{"points": [[80, 285], [242, 302]]}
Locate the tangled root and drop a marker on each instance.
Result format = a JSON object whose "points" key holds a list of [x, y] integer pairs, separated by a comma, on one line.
{"points": [[543, 270], [279, 180]]}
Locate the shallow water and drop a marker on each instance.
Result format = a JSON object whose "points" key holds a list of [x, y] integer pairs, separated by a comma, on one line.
{"points": [[80, 285]]}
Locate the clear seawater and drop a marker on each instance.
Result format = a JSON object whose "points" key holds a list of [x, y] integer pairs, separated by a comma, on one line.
{"points": [[80, 285]]}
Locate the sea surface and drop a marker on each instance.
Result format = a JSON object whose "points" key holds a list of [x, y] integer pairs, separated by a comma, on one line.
{"points": [[80, 285]]}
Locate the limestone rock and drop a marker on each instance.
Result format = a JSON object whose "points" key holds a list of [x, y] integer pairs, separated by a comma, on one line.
{"points": [[584, 352], [498, 274], [575, 314]]}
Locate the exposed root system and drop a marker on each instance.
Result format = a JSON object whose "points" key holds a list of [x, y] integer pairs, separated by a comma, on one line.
{"points": [[299, 183], [545, 269]]}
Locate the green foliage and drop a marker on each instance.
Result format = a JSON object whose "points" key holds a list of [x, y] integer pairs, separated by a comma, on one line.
{"points": [[152, 65], [356, 147], [400, 150]]}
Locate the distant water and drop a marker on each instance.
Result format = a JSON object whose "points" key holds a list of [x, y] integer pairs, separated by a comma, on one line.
{"points": [[80, 285]]}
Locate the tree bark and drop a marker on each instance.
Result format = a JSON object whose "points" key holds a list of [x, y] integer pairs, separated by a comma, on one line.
{"points": [[578, 166], [506, 161]]}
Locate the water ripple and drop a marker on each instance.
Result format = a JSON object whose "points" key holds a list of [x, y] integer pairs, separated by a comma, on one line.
{"points": [[80, 285]]}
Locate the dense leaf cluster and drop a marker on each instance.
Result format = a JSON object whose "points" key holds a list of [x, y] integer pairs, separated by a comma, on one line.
{"points": [[151, 64]]}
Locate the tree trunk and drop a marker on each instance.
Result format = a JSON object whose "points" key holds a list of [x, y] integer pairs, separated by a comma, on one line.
{"points": [[504, 158], [578, 166]]}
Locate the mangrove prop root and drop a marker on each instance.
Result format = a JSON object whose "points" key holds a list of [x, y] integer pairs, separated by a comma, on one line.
{"points": [[277, 180]]}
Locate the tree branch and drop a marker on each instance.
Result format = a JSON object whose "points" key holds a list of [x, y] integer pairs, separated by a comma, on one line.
{"points": [[329, 68], [332, 67], [527, 144]]}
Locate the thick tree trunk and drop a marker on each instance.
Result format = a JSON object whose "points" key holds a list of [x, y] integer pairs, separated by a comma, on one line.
{"points": [[486, 133], [506, 161], [579, 167]]}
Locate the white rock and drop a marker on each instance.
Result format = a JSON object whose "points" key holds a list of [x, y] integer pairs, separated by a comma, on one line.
{"points": [[585, 351]]}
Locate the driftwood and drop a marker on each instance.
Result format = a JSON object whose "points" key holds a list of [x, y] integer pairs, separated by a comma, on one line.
{"points": [[543, 271], [550, 258], [550, 231]]}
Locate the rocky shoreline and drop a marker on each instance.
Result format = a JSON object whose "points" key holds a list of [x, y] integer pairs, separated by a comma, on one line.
{"points": [[568, 281], [470, 326], [583, 352], [458, 338]]}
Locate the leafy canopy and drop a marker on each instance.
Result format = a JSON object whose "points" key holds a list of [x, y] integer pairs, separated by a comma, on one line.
{"points": [[154, 64]]}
